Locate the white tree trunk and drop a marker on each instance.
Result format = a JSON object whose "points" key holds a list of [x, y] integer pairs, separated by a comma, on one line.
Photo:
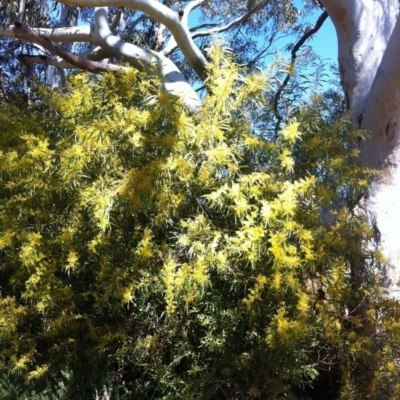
{"points": [[381, 151], [369, 62]]}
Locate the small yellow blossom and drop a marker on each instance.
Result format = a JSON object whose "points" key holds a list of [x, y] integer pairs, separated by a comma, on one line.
{"points": [[291, 132]]}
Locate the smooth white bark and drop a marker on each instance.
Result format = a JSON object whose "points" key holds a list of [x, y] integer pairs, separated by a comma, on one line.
{"points": [[110, 45], [172, 45], [165, 16], [144, 59], [21, 12], [369, 61], [382, 151], [363, 28], [57, 50], [60, 35], [382, 113]]}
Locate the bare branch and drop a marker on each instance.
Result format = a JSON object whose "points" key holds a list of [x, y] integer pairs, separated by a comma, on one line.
{"points": [[144, 59], [60, 35], [117, 19], [172, 46], [133, 25], [138, 57], [208, 25], [189, 8], [63, 76], [263, 50], [21, 11], [57, 62], [233, 23], [98, 54], [322, 18], [21, 32], [165, 16]]}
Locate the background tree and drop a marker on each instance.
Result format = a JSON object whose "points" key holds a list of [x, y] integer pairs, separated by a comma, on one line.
{"points": [[150, 34]]}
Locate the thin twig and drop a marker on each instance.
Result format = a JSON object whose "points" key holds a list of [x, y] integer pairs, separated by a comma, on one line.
{"points": [[295, 49]]}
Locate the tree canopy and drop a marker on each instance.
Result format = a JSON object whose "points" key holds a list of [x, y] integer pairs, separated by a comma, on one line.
{"points": [[168, 38]]}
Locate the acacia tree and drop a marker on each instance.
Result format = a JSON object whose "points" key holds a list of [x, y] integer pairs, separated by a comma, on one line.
{"points": [[144, 249], [148, 35], [366, 32]]}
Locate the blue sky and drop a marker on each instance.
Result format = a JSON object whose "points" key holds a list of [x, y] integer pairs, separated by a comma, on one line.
{"points": [[324, 42]]}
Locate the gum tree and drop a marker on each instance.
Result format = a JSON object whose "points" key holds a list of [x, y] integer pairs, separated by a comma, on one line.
{"points": [[369, 53]]}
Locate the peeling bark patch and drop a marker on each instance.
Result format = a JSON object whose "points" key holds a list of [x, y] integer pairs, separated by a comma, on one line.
{"points": [[341, 71], [364, 200], [390, 130], [347, 100], [359, 119], [377, 233]]}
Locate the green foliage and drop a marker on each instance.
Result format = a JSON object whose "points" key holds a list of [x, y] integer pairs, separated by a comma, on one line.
{"points": [[14, 388], [176, 257]]}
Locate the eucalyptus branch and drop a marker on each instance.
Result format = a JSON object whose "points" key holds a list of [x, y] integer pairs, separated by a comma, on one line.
{"points": [[24, 33], [145, 59], [163, 15], [172, 46], [58, 62], [59, 35], [189, 8], [233, 23], [116, 19], [21, 11], [294, 51], [97, 54], [133, 25]]}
